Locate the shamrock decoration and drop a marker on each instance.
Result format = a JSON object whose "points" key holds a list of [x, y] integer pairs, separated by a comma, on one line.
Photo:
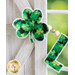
{"points": [[31, 24]]}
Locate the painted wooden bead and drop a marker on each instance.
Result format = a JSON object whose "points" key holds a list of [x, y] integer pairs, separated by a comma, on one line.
{"points": [[14, 66], [57, 33]]}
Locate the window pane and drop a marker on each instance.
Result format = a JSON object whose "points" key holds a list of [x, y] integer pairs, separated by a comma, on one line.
{"points": [[60, 23], [57, 4]]}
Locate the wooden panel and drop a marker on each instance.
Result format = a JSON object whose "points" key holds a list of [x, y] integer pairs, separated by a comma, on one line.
{"points": [[31, 3], [13, 43], [41, 47], [30, 65], [22, 4], [9, 3]]}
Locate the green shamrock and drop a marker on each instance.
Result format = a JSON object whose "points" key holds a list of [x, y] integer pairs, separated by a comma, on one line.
{"points": [[30, 24]]}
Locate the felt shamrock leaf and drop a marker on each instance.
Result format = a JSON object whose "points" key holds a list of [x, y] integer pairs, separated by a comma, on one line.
{"points": [[31, 24]]}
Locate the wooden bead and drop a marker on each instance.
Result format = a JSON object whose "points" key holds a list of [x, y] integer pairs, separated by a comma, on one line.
{"points": [[53, 30], [57, 33], [13, 66]]}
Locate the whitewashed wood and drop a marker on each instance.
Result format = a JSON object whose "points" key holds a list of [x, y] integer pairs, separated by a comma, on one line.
{"points": [[57, 11], [41, 47], [29, 62], [12, 46], [16, 14], [15, 10], [30, 65], [24, 51], [22, 4], [31, 2], [10, 37], [9, 19]]}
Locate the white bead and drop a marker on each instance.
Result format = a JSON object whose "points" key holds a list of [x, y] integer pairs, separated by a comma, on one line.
{"points": [[49, 27], [57, 33]]}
